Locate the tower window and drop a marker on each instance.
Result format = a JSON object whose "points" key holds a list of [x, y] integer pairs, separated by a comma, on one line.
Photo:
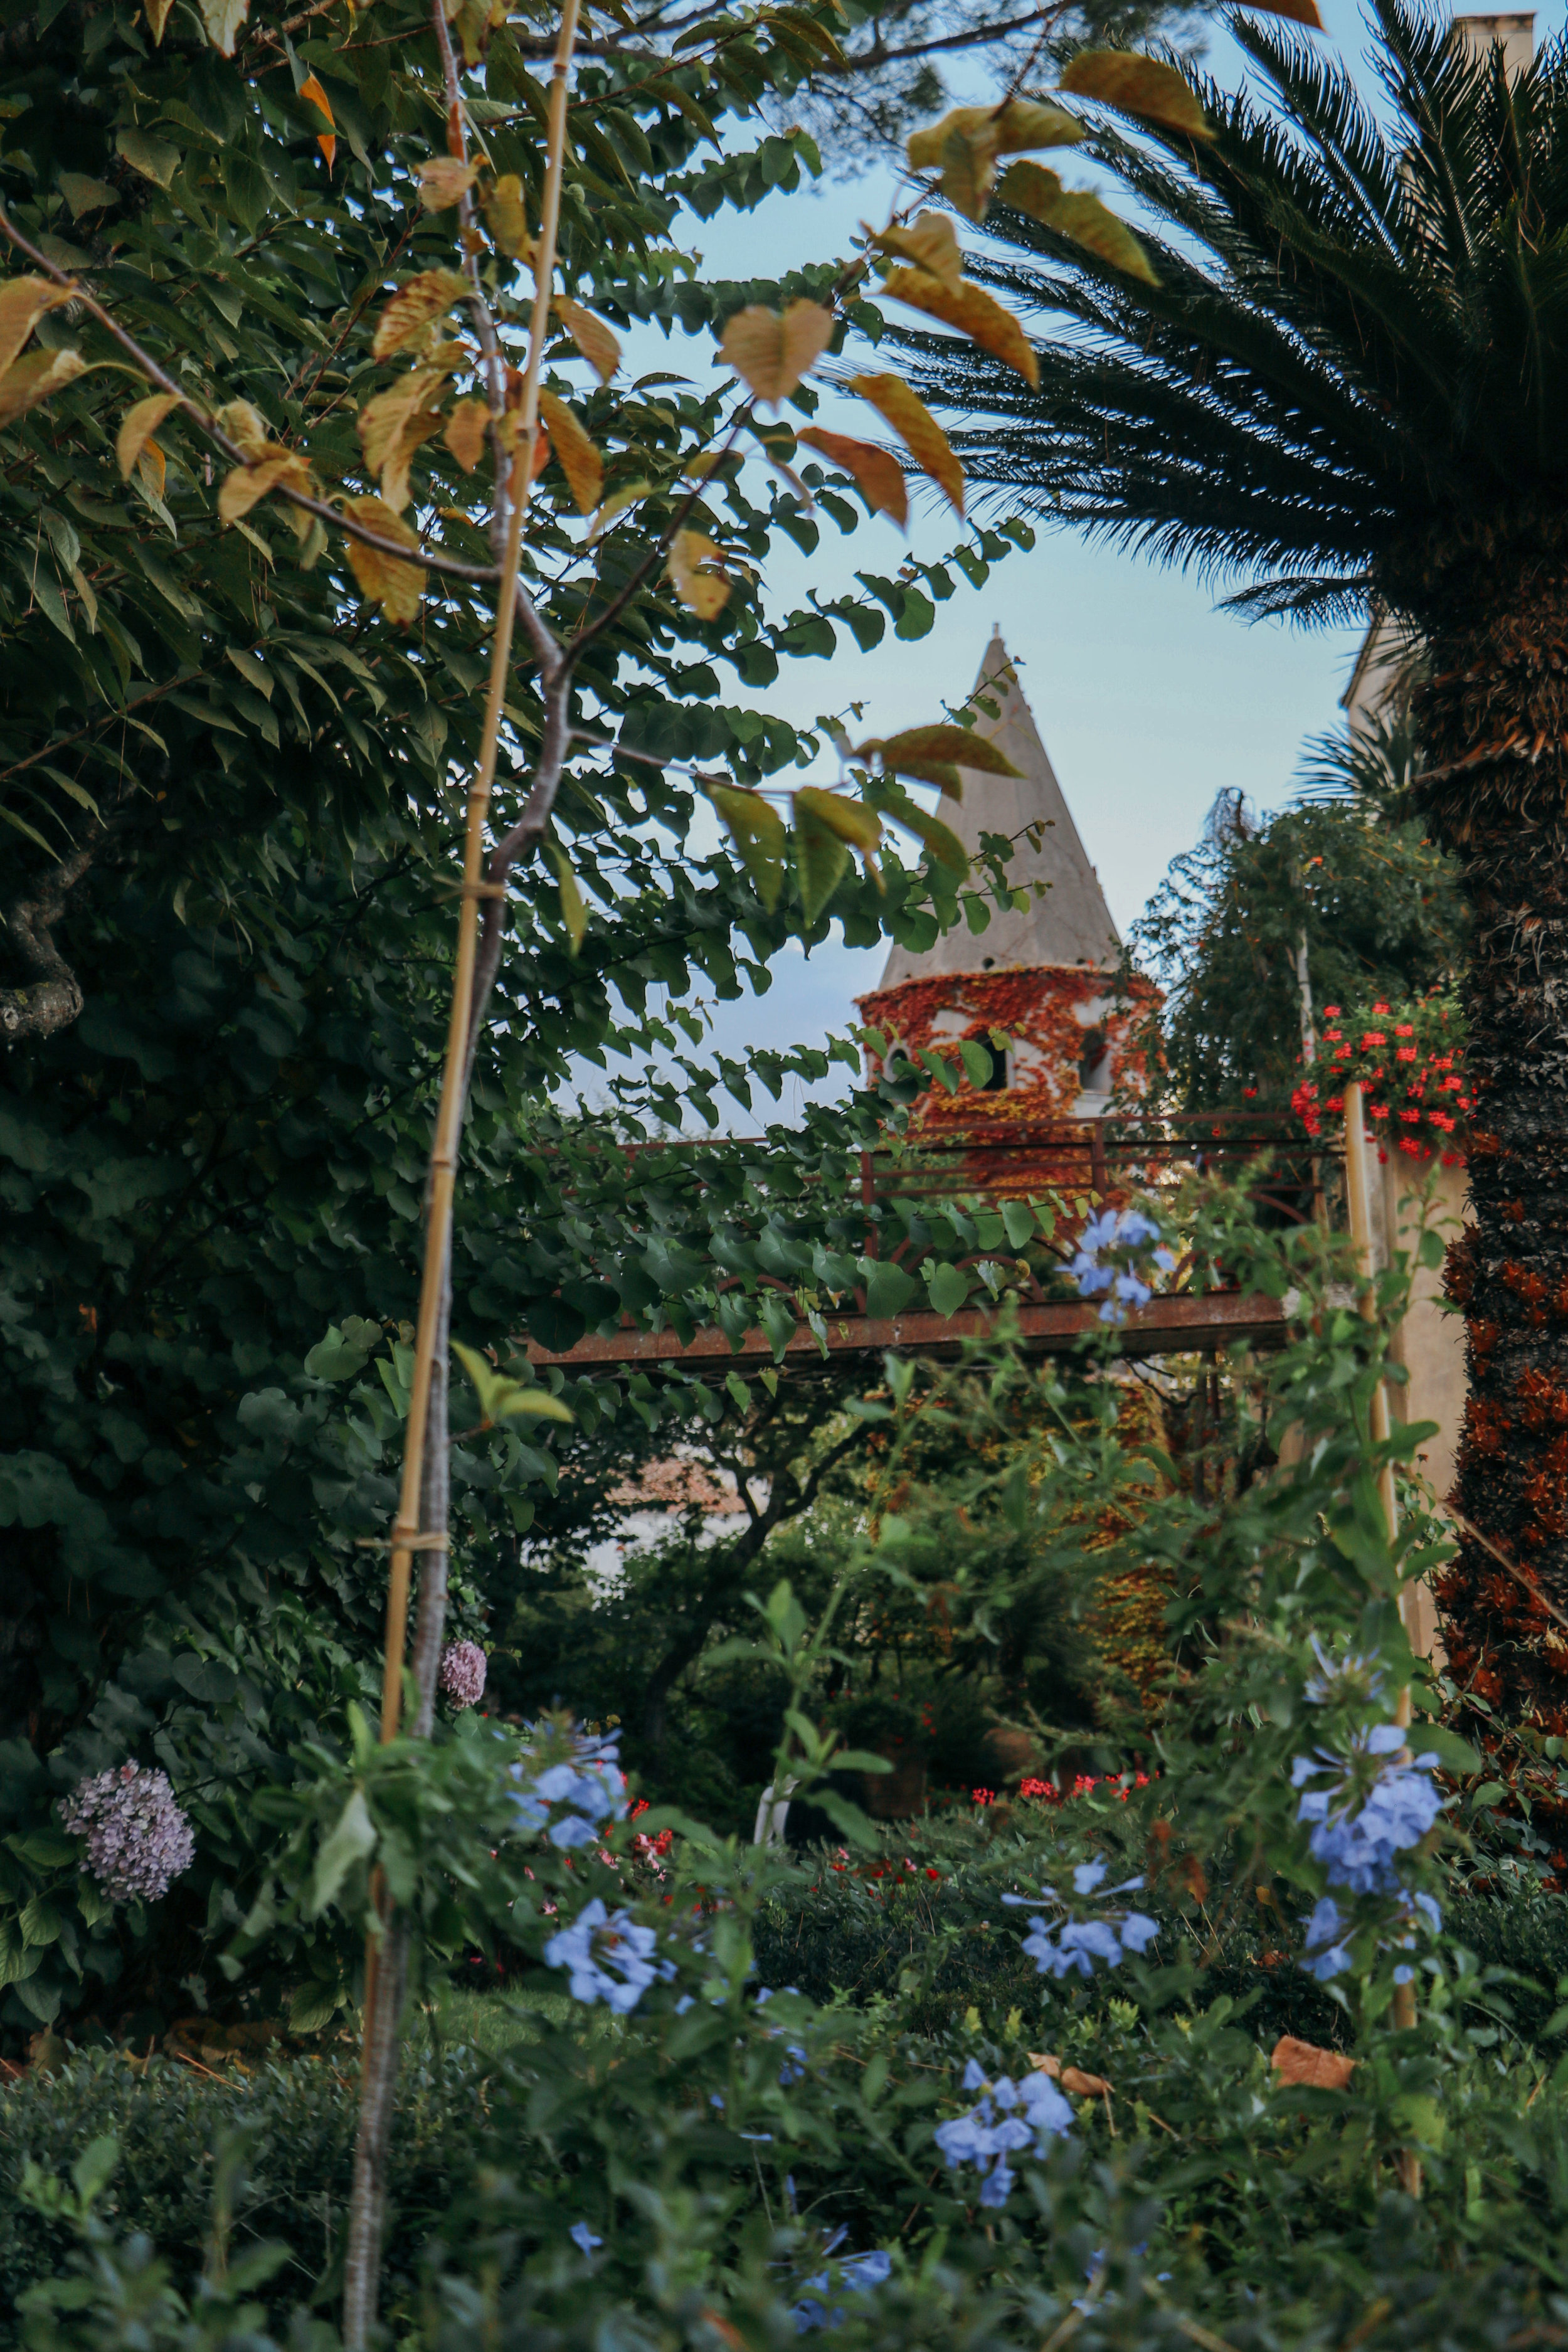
{"points": [[996, 1084], [1094, 1062]]}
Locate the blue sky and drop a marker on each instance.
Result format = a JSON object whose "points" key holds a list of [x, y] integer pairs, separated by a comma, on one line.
{"points": [[1150, 699]]}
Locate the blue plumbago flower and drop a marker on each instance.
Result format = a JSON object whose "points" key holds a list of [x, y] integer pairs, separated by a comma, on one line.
{"points": [[1087, 1877], [1346, 1678], [581, 2235], [1010, 2116], [1327, 1953], [858, 2274], [793, 2068], [590, 1785], [1059, 1949], [610, 1958], [1368, 1810], [1124, 1229]]}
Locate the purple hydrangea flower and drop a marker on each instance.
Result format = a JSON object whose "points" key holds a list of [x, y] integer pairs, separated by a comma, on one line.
{"points": [[138, 1840], [463, 1673]]}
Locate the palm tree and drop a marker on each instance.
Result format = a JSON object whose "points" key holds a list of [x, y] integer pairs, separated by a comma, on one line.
{"points": [[1350, 390]]}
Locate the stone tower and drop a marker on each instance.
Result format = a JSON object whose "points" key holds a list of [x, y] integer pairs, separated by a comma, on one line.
{"points": [[1042, 973]]}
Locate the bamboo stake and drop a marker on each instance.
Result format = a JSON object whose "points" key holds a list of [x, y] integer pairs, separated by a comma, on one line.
{"points": [[1358, 1188], [384, 1998]]}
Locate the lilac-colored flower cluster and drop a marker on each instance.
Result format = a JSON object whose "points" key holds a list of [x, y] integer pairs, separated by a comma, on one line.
{"points": [[591, 1788], [1360, 1822], [611, 1959], [858, 2274], [1078, 1943], [138, 1840], [1009, 2116], [463, 1673], [1125, 1229]]}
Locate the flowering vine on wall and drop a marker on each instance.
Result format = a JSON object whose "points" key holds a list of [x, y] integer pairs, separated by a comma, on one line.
{"points": [[1409, 1058], [1047, 1012]]}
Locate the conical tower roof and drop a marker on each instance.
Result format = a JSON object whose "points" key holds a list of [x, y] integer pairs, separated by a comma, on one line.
{"points": [[1071, 924]]}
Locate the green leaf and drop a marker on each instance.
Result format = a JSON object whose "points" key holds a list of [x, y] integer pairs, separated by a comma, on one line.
{"points": [[502, 1397], [889, 1289], [351, 1839], [759, 834], [574, 913], [1018, 1219], [94, 2167], [153, 158], [1454, 1755], [310, 2006], [949, 1290], [820, 861], [976, 1059]]}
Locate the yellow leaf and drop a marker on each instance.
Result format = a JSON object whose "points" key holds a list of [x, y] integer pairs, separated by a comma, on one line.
{"points": [[1024, 123], [139, 424], [395, 586], [591, 337], [507, 220], [630, 493], [969, 165], [248, 484], [758, 832], [382, 421], [443, 179], [1076, 213], [852, 821], [157, 13], [246, 427], [310, 89], [1138, 85], [701, 591], [925, 147], [466, 430], [23, 301], [33, 378], [959, 745], [916, 428], [408, 311], [152, 467], [930, 242], [421, 426], [222, 19], [878, 473], [580, 461], [1301, 12], [574, 913], [771, 354], [970, 309]]}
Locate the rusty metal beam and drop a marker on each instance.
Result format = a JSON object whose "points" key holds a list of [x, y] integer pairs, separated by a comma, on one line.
{"points": [[1181, 1325]]}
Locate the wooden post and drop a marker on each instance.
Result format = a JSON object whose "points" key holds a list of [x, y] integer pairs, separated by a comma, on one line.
{"points": [[1358, 1187]]}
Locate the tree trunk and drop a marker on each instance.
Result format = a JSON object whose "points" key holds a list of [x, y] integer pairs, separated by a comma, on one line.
{"points": [[1493, 721]]}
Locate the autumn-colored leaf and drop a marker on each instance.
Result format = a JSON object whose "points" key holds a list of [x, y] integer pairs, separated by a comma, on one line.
{"points": [[222, 19], [769, 354], [23, 301], [964, 146], [630, 493], [151, 469], [930, 241], [580, 461], [466, 432], [1077, 213], [408, 311], [506, 217], [598, 346], [1046, 2062], [443, 179], [968, 163], [33, 378], [385, 580], [852, 821], [421, 426], [157, 15], [701, 590], [878, 473], [574, 913], [759, 834], [916, 428], [381, 421], [970, 309], [921, 745], [246, 427], [925, 147], [1082, 2085], [1300, 12], [1024, 123], [326, 140], [1303, 2061], [1138, 85], [137, 427], [248, 484]]}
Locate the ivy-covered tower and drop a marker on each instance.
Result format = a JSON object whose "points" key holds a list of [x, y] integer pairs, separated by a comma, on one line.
{"points": [[1041, 972]]}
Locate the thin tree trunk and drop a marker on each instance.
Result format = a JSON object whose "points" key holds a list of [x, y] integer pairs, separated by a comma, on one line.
{"points": [[1493, 721]]}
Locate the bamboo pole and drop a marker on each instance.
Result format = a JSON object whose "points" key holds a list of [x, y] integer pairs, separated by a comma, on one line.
{"points": [[383, 2000], [1358, 1190]]}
